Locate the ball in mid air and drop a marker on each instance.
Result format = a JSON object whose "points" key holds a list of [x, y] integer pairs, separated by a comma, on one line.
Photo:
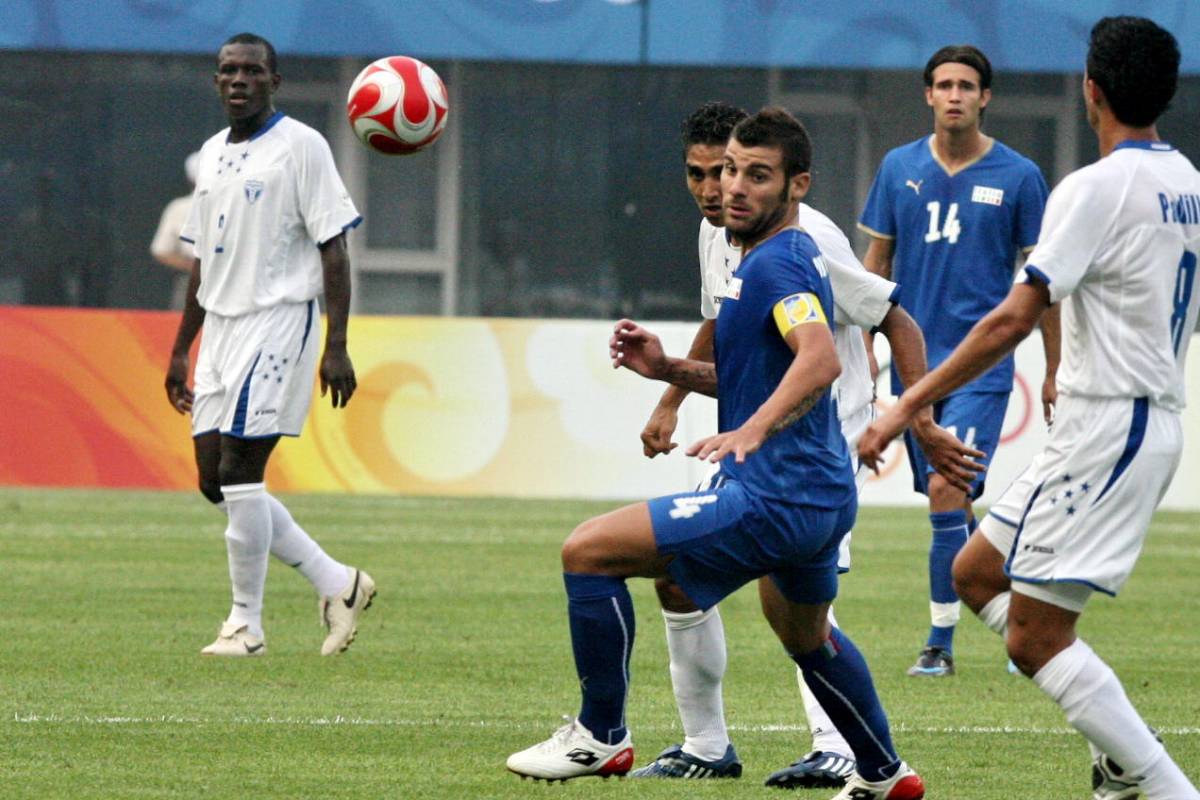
{"points": [[397, 106]]}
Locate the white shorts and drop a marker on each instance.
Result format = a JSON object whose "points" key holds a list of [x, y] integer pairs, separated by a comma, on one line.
{"points": [[853, 427], [1079, 513], [254, 375]]}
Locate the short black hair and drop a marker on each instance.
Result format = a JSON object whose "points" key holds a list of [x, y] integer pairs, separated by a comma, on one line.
{"points": [[776, 127], [966, 54], [711, 123], [254, 38], [1136, 63]]}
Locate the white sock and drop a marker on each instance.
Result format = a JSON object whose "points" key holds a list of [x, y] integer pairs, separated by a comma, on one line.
{"points": [[247, 540], [696, 642], [294, 547], [825, 735], [1090, 694], [995, 613]]}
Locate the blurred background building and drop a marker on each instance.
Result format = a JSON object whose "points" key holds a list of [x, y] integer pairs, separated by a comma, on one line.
{"points": [[557, 190]]}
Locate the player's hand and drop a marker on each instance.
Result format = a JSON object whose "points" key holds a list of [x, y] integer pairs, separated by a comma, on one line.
{"points": [[178, 394], [1049, 398], [656, 436], [952, 459], [741, 442], [878, 435], [337, 376], [633, 347]]}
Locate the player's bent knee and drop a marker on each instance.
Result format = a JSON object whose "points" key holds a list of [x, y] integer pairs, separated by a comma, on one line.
{"points": [[580, 553], [943, 496]]}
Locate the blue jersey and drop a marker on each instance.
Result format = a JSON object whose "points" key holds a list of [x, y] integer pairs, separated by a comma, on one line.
{"points": [[957, 238], [807, 462]]}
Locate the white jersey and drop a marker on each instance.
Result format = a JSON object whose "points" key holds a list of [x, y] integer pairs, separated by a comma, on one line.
{"points": [[861, 299], [259, 211], [1119, 242]]}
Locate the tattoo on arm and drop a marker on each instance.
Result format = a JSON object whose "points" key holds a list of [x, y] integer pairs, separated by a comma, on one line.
{"points": [[695, 376], [802, 408]]}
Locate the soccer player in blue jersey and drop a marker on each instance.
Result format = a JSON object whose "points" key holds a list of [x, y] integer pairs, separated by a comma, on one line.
{"points": [[783, 499], [949, 214], [1118, 249]]}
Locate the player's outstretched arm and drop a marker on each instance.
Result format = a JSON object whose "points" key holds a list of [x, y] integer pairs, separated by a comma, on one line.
{"points": [[1051, 326], [656, 436], [635, 348], [992, 338], [951, 458], [178, 393], [337, 371], [813, 369]]}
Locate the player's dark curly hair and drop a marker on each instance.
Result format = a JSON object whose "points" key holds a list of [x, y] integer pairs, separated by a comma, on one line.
{"points": [[254, 38], [1136, 63], [711, 123], [775, 127], [965, 54]]}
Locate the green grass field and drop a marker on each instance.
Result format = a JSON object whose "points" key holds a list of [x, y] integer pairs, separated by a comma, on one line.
{"points": [[464, 658]]}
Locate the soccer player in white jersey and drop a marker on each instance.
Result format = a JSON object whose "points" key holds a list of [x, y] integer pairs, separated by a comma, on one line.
{"points": [[268, 225], [695, 638], [1118, 247]]}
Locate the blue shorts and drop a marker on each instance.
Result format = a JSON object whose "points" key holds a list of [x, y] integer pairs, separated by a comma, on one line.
{"points": [[723, 538], [977, 418]]}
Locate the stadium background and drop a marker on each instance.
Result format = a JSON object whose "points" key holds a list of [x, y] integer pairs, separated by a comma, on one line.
{"points": [[553, 203]]}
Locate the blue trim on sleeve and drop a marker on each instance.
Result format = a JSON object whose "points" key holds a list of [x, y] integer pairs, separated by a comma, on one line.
{"points": [[357, 221], [1004, 520], [1036, 274], [1137, 433], [894, 299], [243, 403], [1144, 144]]}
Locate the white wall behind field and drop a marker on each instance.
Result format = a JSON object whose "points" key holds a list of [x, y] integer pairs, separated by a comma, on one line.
{"points": [[1024, 432]]}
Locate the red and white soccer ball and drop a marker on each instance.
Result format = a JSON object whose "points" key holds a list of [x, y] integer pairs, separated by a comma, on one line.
{"points": [[397, 106]]}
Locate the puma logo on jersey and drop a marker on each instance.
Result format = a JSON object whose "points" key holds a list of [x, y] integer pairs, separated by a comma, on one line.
{"points": [[915, 185]]}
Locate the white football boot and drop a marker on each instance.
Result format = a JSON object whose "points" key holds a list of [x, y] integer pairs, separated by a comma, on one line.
{"points": [[235, 640], [1110, 782], [572, 752], [904, 785], [340, 614]]}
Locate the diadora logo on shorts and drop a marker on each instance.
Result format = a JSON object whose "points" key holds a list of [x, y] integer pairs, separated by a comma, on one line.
{"points": [[1037, 548], [254, 190], [262, 412], [987, 195], [688, 507]]}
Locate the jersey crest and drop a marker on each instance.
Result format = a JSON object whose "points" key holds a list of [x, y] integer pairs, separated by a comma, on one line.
{"points": [[253, 189]]}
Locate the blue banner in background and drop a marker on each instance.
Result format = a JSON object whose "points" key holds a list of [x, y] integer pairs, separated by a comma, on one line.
{"points": [[1026, 35]]}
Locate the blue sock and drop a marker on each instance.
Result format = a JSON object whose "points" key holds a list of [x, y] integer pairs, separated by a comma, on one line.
{"points": [[949, 535], [838, 676], [601, 615]]}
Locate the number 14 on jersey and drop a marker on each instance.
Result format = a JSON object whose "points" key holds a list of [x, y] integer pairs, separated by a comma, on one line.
{"points": [[938, 229]]}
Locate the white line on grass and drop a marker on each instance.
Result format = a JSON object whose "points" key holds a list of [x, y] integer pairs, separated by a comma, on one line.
{"points": [[179, 719]]}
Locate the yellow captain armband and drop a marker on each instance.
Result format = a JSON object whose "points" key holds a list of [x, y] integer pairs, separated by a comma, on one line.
{"points": [[798, 309]]}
